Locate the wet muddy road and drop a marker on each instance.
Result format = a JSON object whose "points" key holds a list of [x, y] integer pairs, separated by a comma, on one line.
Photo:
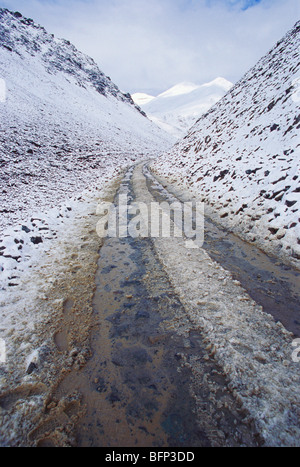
{"points": [[149, 381], [134, 365], [273, 285]]}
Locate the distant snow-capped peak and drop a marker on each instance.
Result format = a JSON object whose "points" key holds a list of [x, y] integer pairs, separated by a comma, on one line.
{"points": [[179, 89], [176, 109]]}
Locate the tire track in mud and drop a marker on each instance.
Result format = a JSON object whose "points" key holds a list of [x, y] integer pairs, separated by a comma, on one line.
{"points": [[254, 351], [149, 381], [273, 285]]}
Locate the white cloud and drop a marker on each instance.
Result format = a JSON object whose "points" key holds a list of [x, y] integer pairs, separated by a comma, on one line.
{"points": [[148, 45]]}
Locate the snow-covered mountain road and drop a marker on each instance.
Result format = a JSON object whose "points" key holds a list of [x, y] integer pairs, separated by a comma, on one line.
{"points": [[157, 345], [142, 337]]}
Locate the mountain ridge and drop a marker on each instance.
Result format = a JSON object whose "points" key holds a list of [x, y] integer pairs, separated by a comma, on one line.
{"points": [[63, 121], [58, 54], [177, 108]]}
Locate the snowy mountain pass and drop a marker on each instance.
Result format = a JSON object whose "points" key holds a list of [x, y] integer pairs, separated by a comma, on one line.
{"points": [[155, 343], [138, 339]]}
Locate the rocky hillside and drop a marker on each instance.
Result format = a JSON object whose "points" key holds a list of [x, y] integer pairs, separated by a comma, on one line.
{"points": [[243, 156], [63, 122]]}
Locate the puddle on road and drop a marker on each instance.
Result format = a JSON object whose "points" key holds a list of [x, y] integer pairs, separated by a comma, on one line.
{"points": [[274, 286], [136, 395]]}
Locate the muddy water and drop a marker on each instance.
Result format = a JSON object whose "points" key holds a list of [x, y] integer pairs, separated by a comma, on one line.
{"points": [[137, 396], [149, 382], [274, 286]]}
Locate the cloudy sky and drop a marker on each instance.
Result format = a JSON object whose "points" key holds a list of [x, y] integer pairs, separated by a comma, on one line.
{"points": [[150, 45]]}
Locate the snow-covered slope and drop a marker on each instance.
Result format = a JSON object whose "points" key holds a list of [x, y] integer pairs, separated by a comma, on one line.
{"points": [[63, 123], [243, 155], [176, 109]]}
